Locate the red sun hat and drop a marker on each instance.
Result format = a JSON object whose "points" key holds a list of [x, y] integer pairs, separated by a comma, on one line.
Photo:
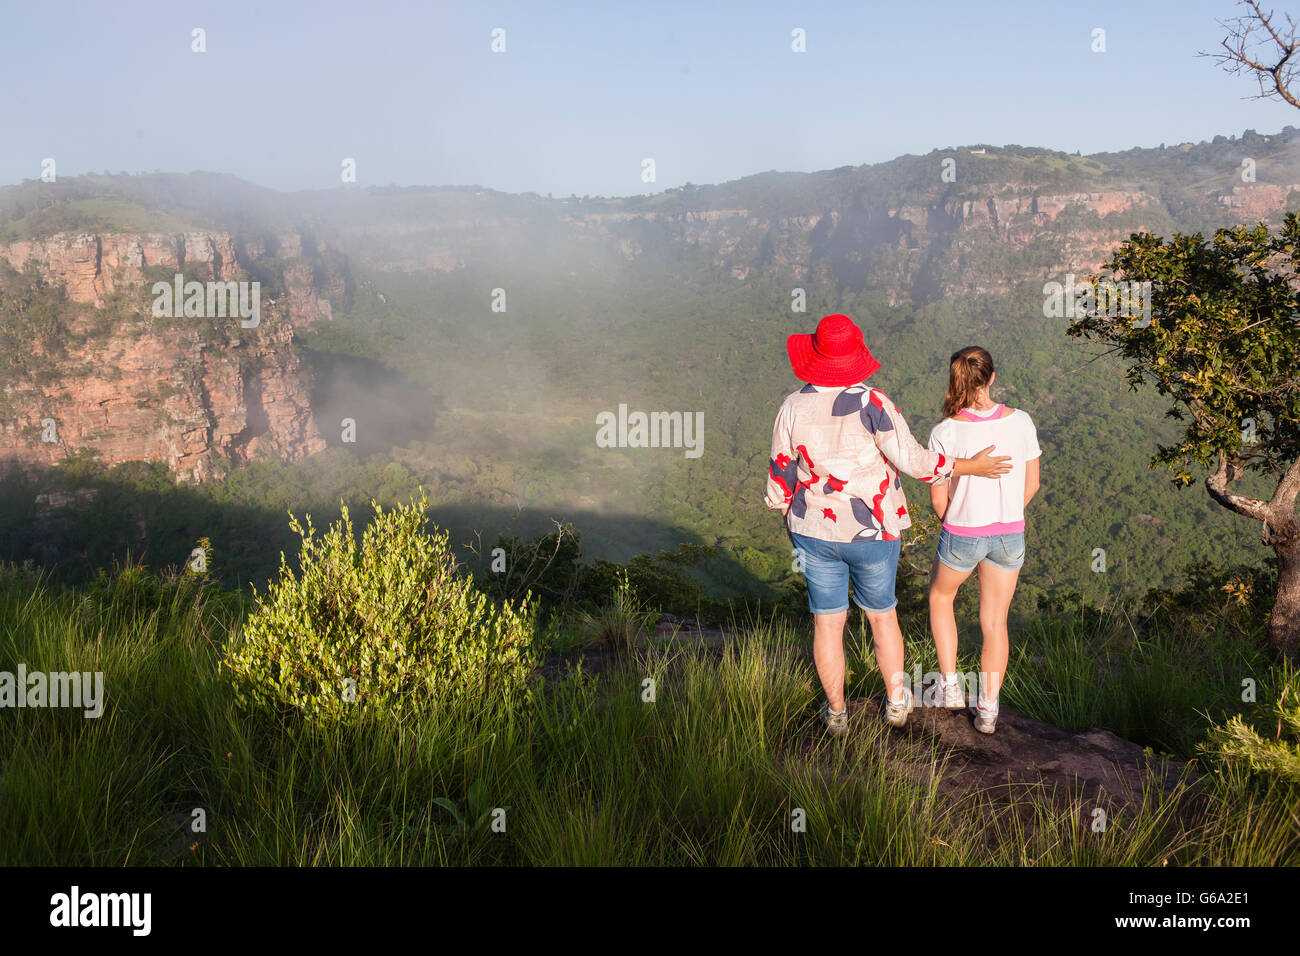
{"points": [[834, 355]]}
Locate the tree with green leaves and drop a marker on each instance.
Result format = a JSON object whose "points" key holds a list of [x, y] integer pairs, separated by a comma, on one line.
{"points": [[1222, 340]]}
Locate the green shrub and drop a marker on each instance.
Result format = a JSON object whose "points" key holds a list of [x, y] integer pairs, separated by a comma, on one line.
{"points": [[660, 579], [387, 628], [547, 567], [1234, 599], [1276, 755], [620, 625]]}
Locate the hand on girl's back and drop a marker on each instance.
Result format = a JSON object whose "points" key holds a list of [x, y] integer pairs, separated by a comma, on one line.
{"points": [[986, 465]]}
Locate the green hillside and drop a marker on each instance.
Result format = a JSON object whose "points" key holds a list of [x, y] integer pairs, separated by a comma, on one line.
{"points": [[660, 307]]}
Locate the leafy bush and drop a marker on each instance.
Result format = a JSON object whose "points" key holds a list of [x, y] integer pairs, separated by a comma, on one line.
{"points": [[1277, 755], [386, 628], [660, 579], [546, 567], [1235, 599]]}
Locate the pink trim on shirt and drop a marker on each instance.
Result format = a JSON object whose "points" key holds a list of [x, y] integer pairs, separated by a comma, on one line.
{"points": [[968, 415], [987, 530]]}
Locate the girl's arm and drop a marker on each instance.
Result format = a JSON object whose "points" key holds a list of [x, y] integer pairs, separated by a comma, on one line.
{"points": [[939, 498], [1031, 479]]}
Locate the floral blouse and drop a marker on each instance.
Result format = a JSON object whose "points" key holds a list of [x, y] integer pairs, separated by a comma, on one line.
{"points": [[836, 455]]}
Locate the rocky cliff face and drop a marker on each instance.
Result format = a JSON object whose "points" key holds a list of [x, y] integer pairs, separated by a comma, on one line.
{"points": [[933, 248], [1257, 201], [979, 239], [950, 239], [201, 395], [90, 266]]}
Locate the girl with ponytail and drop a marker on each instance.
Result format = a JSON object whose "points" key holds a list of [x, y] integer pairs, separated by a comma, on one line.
{"points": [[983, 526]]}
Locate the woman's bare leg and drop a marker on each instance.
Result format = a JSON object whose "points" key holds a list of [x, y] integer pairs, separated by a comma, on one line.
{"points": [[888, 638], [828, 655]]}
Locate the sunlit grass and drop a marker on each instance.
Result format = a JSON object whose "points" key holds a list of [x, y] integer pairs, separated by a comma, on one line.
{"points": [[671, 756]]}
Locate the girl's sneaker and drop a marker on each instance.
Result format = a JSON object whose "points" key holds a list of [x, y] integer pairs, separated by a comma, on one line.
{"points": [[896, 713], [986, 717], [954, 695], [836, 724]]}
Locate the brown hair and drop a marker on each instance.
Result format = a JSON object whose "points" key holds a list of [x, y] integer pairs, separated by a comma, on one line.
{"points": [[969, 370]]}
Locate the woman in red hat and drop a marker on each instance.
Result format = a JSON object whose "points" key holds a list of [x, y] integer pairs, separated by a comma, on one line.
{"points": [[837, 450]]}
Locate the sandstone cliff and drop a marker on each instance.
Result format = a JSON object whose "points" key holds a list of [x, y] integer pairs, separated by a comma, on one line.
{"points": [[899, 248], [973, 240], [203, 397], [199, 395], [931, 237]]}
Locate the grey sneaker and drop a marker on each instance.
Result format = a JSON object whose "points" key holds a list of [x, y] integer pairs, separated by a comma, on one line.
{"points": [[986, 719], [896, 714], [954, 695], [837, 725]]}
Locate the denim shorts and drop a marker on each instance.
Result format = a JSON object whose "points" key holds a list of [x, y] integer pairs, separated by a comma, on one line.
{"points": [[1005, 551], [829, 567]]}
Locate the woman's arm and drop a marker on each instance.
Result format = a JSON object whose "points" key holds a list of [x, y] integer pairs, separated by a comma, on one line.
{"points": [[984, 465], [783, 465], [895, 441]]}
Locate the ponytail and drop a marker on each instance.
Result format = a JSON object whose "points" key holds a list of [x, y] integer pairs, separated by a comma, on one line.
{"points": [[969, 370]]}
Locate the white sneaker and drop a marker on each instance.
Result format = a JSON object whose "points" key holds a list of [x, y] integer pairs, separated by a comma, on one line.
{"points": [[986, 719], [837, 725], [954, 695], [896, 714]]}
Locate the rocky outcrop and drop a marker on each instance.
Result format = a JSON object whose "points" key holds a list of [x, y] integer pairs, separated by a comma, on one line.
{"points": [[1094, 765], [1011, 214], [1087, 769], [197, 394], [1103, 203], [91, 265], [940, 243], [1256, 202]]}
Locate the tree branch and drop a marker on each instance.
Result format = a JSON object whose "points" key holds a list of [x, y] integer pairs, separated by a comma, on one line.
{"points": [[1238, 58], [1217, 485]]}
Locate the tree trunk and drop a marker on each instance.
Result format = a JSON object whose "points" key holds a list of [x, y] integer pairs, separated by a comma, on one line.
{"points": [[1284, 622], [1282, 534]]}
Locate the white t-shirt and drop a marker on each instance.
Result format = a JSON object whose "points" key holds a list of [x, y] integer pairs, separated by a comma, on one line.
{"points": [[979, 507]]}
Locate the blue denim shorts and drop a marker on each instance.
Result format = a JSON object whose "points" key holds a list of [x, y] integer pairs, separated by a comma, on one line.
{"points": [[1005, 551], [830, 566]]}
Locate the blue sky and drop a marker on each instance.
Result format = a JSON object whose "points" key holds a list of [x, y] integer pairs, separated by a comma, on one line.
{"points": [[584, 91]]}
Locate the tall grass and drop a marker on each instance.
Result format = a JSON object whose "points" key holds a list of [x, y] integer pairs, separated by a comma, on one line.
{"points": [[725, 765]]}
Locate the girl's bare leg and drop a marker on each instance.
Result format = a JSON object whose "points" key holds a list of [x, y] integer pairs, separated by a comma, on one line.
{"points": [[944, 582], [997, 587]]}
